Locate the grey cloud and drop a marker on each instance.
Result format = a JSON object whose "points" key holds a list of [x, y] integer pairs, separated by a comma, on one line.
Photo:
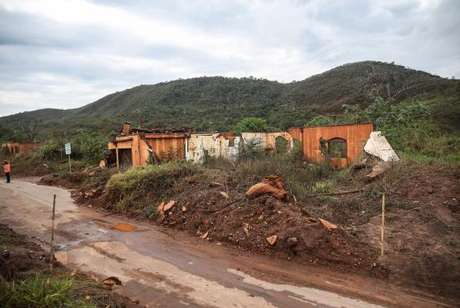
{"points": [[50, 60]]}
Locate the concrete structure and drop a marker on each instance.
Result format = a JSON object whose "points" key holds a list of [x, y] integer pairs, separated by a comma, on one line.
{"points": [[218, 145], [340, 144], [378, 146], [269, 142], [19, 148], [137, 147]]}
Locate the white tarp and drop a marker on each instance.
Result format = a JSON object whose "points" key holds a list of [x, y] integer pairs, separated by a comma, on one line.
{"points": [[377, 145]]}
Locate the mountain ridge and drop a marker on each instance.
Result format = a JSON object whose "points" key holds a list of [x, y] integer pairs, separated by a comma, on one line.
{"points": [[217, 103]]}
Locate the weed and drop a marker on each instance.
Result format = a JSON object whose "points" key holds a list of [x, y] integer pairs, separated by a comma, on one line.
{"points": [[135, 188], [40, 291]]}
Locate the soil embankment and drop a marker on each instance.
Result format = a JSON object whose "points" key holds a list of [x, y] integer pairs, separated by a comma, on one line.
{"points": [[422, 241]]}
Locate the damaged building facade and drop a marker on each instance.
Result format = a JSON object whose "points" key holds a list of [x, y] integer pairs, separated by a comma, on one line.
{"points": [[339, 144]]}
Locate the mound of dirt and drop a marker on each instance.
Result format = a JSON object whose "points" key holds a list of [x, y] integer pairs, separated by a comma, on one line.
{"points": [[248, 224]]}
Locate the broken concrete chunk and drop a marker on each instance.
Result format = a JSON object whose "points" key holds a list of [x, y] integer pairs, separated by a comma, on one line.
{"points": [[328, 225], [272, 185], [169, 205], [161, 207], [111, 281], [224, 194], [378, 169], [377, 145], [272, 239], [205, 236], [246, 228]]}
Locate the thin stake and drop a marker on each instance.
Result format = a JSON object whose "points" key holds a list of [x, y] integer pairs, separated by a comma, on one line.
{"points": [[52, 234], [382, 230]]}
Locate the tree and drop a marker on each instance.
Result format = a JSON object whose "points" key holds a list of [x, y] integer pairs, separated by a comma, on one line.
{"points": [[251, 124]]}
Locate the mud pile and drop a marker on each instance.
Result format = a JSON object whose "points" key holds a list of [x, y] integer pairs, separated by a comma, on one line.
{"points": [[269, 226]]}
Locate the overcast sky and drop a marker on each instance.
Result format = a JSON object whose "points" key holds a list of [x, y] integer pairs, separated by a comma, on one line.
{"points": [[65, 54]]}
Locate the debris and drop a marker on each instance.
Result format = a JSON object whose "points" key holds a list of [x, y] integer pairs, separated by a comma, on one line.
{"points": [[224, 194], [111, 281], [377, 145], [378, 169], [103, 164], [246, 228], [328, 225], [169, 205], [184, 209], [161, 207], [205, 236], [272, 239], [270, 185], [123, 227], [292, 241]]}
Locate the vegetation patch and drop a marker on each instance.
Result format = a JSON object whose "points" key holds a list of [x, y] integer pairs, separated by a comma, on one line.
{"points": [[140, 187], [25, 279]]}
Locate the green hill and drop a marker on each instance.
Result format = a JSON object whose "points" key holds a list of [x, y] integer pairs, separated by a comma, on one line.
{"points": [[217, 103]]}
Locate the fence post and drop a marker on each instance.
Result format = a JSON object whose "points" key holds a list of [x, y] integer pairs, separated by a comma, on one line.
{"points": [[382, 228], [52, 233]]}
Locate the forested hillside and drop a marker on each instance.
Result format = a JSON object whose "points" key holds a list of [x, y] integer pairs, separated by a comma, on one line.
{"points": [[218, 103]]}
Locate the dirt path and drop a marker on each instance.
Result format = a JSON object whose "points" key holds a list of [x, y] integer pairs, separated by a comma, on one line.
{"points": [[164, 270]]}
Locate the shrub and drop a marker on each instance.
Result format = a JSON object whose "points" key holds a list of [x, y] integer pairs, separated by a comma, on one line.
{"points": [[298, 176], [251, 124], [139, 185]]}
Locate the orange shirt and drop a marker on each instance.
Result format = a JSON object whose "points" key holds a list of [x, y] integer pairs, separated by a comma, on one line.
{"points": [[7, 168]]}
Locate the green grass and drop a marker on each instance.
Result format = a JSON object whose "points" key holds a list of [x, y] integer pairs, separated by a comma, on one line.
{"points": [[138, 187], [41, 291]]}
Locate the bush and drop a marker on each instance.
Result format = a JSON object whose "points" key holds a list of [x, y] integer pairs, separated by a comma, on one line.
{"points": [[251, 124], [138, 185], [299, 177], [320, 121], [89, 146]]}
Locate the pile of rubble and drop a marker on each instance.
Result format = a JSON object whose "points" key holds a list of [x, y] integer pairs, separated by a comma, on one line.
{"points": [[263, 220]]}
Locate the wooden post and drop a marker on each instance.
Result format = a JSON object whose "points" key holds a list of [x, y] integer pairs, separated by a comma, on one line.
{"points": [[70, 165], [382, 230], [118, 158], [52, 233]]}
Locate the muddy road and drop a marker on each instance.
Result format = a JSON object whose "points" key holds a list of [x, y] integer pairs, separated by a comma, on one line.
{"points": [[163, 268]]}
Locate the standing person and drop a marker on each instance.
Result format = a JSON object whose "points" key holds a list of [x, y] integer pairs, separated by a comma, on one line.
{"points": [[7, 171]]}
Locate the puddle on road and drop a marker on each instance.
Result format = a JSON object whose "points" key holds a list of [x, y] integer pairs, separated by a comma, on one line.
{"points": [[124, 227]]}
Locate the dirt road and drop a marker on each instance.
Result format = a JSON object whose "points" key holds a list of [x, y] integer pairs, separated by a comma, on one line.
{"points": [[161, 269]]}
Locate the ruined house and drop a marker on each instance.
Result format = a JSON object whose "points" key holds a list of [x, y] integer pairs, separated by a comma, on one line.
{"points": [[19, 148], [218, 145], [137, 147], [269, 142], [340, 144]]}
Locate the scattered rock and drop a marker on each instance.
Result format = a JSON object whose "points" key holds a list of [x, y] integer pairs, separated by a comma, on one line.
{"points": [[161, 207], [169, 205], [224, 194], [111, 281], [246, 228], [378, 169], [272, 239], [205, 236], [292, 241], [184, 209], [328, 225], [272, 185]]}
